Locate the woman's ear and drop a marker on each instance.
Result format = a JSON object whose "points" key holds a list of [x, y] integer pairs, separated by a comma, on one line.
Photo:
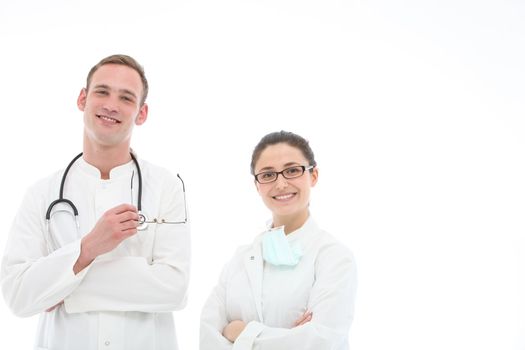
{"points": [[314, 175]]}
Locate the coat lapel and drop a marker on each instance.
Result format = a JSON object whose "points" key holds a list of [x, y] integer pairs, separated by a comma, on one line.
{"points": [[254, 267]]}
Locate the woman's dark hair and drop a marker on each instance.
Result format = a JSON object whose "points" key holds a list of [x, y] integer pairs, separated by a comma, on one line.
{"points": [[282, 136]]}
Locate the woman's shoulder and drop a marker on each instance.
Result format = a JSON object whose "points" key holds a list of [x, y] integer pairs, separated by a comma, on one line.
{"points": [[329, 245], [320, 235]]}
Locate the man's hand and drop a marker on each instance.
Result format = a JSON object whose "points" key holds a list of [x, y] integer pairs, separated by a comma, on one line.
{"points": [[112, 228], [233, 329]]}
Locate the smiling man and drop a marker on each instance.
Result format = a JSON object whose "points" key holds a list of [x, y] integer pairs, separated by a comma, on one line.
{"points": [[88, 262]]}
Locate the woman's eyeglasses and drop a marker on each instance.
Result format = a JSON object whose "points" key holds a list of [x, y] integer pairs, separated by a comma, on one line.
{"points": [[288, 173]]}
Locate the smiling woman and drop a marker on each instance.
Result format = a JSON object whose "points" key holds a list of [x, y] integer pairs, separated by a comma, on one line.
{"points": [[294, 286], [287, 196]]}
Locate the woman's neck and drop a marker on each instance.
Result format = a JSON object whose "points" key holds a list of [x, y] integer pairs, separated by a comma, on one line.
{"points": [[291, 223]]}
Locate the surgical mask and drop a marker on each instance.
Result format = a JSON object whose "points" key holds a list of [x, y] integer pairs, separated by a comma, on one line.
{"points": [[278, 251]]}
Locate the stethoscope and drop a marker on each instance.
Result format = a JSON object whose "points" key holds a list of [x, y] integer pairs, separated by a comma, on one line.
{"points": [[143, 221]]}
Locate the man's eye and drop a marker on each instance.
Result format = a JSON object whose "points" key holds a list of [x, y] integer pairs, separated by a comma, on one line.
{"points": [[101, 92]]}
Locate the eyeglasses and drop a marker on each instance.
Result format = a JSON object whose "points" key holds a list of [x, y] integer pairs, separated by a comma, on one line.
{"points": [[288, 173]]}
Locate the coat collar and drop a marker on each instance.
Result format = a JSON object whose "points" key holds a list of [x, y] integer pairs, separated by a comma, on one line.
{"points": [[254, 264], [117, 172]]}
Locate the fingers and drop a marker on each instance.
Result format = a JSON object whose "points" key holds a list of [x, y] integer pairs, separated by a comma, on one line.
{"points": [[299, 321], [128, 229], [122, 208], [128, 216], [305, 318], [114, 226], [119, 222], [54, 307], [233, 330], [128, 223]]}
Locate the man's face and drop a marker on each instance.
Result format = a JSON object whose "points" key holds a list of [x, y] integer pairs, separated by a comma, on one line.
{"points": [[111, 105]]}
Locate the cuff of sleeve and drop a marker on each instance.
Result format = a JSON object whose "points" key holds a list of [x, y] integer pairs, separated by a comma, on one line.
{"points": [[248, 336], [74, 249], [66, 257]]}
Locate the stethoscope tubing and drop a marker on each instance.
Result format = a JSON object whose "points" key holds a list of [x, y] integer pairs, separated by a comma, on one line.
{"points": [[61, 193], [61, 198], [143, 221]]}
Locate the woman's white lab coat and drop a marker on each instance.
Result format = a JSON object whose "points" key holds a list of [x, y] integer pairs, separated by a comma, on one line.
{"points": [[123, 298], [269, 298]]}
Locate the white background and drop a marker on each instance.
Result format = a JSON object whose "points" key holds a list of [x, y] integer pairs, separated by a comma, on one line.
{"points": [[413, 108]]}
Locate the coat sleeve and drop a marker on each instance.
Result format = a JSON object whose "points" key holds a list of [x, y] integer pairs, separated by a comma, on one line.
{"points": [[132, 283], [32, 279], [331, 301], [213, 318]]}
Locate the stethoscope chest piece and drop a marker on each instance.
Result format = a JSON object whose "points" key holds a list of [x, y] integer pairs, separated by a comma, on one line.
{"points": [[143, 222]]}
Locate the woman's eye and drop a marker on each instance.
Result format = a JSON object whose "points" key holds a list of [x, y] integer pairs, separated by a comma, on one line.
{"points": [[293, 171], [267, 175]]}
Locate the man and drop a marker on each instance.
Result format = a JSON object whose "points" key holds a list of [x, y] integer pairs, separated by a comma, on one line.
{"points": [[97, 281]]}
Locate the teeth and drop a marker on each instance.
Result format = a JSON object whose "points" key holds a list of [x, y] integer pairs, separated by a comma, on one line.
{"points": [[109, 119], [284, 196]]}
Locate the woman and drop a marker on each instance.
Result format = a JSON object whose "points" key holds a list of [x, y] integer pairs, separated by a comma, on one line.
{"points": [[294, 286]]}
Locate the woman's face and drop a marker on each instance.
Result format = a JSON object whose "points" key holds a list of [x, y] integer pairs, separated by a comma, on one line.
{"points": [[286, 198]]}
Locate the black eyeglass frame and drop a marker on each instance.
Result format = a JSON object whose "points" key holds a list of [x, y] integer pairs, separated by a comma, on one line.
{"points": [[277, 173]]}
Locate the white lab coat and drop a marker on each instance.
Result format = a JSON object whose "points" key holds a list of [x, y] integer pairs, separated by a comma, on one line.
{"points": [[123, 299], [269, 298]]}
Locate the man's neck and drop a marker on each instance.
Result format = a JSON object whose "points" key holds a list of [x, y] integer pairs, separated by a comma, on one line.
{"points": [[106, 158]]}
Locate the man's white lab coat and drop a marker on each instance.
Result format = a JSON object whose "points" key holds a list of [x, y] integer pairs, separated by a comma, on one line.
{"points": [[123, 299]]}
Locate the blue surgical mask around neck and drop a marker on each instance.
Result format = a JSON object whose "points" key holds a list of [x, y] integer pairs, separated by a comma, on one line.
{"points": [[277, 250]]}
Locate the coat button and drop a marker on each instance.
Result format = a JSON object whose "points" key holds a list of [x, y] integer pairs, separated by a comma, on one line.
{"points": [[107, 342]]}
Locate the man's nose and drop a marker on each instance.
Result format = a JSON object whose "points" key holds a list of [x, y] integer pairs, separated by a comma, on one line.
{"points": [[111, 104]]}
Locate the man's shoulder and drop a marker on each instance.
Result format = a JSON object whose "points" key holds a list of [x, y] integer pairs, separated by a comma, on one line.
{"points": [[157, 170], [160, 176], [49, 180]]}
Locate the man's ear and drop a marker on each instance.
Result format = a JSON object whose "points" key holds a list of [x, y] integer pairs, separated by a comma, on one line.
{"points": [[81, 99], [143, 115]]}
